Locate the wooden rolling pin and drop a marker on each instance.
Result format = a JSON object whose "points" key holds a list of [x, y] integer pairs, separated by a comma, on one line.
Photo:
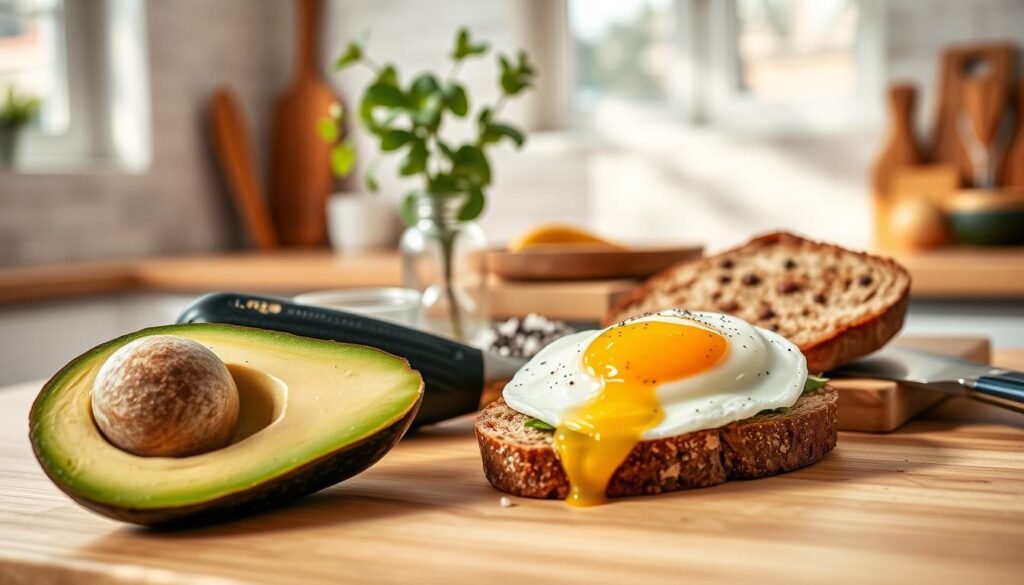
{"points": [[231, 143]]}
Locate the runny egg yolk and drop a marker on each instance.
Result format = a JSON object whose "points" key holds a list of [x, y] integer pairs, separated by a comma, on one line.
{"points": [[630, 361]]}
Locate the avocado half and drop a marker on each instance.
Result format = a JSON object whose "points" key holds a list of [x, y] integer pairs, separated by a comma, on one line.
{"points": [[312, 413]]}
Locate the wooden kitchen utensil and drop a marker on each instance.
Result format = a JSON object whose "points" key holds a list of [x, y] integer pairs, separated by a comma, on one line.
{"points": [[879, 406], [231, 143], [959, 64], [984, 102], [901, 150], [300, 170], [1012, 168]]}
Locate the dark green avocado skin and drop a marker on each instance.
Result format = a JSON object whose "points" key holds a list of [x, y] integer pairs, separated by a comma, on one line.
{"points": [[312, 477]]}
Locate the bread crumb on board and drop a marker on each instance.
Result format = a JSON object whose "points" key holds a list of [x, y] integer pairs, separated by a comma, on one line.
{"points": [[505, 502]]}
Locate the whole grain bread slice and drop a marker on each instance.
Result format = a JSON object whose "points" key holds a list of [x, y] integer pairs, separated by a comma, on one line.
{"points": [[835, 304], [520, 460]]}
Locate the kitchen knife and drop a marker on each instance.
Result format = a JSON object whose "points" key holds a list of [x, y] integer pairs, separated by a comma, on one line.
{"points": [[954, 376], [454, 374]]}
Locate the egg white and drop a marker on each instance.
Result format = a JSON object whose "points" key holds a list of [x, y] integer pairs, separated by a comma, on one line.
{"points": [[761, 370]]}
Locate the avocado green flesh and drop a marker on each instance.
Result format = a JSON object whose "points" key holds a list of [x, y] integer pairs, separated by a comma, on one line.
{"points": [[318, 397]]}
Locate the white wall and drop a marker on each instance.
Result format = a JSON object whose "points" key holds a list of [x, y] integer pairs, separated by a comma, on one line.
{"points": [[670, 181]]}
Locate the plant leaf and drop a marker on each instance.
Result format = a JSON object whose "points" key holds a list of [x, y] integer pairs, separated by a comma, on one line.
{"points": [[443, 146], [327, 130], [429, 115], [471, 162], [814, 383], [484, 117], [343, 158], [388, 76], [536, 423], [443, 183], [474, 205], [352, 54], [386, 95], [416, 161], [422, 87], [496, 131], [407, 209], [464, 46], [515, 78], [455, 99], [395, 139]]}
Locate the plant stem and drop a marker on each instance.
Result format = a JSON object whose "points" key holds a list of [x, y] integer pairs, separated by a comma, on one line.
{"points": [[371, 64], [447, 253]]}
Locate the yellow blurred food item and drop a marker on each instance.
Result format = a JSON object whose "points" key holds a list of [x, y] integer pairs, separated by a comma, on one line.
{"points": [[558, 234]]}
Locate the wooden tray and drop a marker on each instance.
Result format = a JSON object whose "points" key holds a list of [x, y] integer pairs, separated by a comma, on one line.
{"points": [[579, 262], [880, 406]]}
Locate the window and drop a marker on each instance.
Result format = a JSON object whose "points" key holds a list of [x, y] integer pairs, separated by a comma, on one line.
{"points": [[86, 62], [750, 64], [621, 49], [32, 57], [793, 49]]}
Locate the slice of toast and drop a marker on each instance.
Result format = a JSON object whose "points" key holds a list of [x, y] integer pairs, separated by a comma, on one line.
{"points": [[835, 304], [520, 460]]}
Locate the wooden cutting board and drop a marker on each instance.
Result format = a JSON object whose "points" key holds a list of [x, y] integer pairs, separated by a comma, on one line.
{"points": [[300, 168], [586, 300], [880, 406], [572, 263]]}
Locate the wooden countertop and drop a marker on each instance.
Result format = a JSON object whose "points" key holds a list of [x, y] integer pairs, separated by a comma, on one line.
{"points": [[963, 272], [952, 273], [939, 501], [267, 272]]}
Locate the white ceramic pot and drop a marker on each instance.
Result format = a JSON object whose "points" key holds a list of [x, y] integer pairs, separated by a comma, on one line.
{"points": [[360, 222]]}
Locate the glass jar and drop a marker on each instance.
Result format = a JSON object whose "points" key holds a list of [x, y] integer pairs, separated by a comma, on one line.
{"points": [[443, 258]]}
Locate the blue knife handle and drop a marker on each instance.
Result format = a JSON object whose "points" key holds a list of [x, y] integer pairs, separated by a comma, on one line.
{"points": [[1006, 390], [453, 373]]}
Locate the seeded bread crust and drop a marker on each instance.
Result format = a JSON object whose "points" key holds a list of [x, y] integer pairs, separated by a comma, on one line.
{"points": [[835, 304], [520, 460]]}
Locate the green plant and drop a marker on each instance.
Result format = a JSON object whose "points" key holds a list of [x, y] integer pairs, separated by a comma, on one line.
{"points": [[409, 117], [17, 109]]}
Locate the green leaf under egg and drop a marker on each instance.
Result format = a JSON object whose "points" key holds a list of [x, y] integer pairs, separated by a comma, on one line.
{"points": [[536, 423]]}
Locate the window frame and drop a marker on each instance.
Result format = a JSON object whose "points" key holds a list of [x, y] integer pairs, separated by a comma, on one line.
{"points": [[106, 73], [705, 88]]}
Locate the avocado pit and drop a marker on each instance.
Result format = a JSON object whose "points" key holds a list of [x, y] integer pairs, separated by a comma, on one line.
{"points": [[165, 396]]}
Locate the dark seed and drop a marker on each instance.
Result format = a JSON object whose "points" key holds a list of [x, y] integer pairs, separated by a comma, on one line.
{"points": [[865, 280], [789, 264], [820, 298], [727, 263], [751, 279], [725, 279], [788, 286]]}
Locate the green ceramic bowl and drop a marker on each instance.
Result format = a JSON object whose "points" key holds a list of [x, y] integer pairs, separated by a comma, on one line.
{"points": [[987, 218]]}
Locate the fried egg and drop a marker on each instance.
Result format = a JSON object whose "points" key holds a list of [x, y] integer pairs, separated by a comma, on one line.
{"points": [[650, 377]]}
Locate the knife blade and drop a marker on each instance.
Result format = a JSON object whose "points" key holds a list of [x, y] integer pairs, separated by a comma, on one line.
{"points": [[955, 376], [454, 374]]}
